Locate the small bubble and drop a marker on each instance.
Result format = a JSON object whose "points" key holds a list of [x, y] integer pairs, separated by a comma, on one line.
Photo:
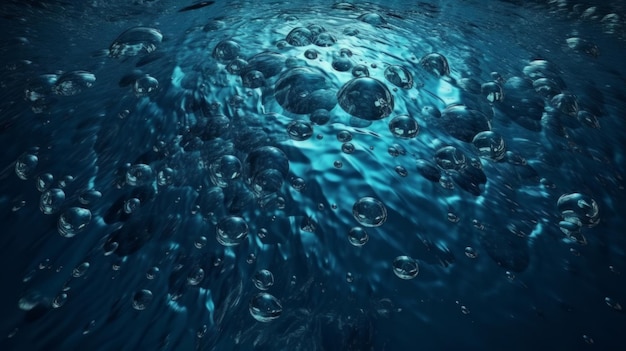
{"points": [[349, 277], [152, 272], [142, 299], [263, 279], [265, 307], [348, 148], [405, 267], [251, 258], [344, 136], [465, 310], [369, 212], [80, 270], [471, 252], [200, 242], [59, 300], [196, 276], [402, 172], [338, 164]]}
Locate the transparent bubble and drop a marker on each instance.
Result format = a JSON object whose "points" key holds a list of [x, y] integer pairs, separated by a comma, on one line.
{"points": [[196, 276], [546, 87], [298, 184], [320, 117], [131, 205], [324, 39], [614, 304], [263, 279], [565, 103], [366, 98], [165, 176], [142, 299], [435, 64], [299, 130], [431, 111], [25, 166], [89, 196], [44, 181], [341, 64], [579, 209], [231, 231], [399, 76], [401, 171], [360, 71], [236, 66], [135, 41], [311, 54], [405, 267], [471, 252], [303, 90], [490, 145], [267, 182], [358, 236], [72, 83], [265, 307], [152, 272], [253, 79], [226, 50], [492, 91], [373, 18], [139, 174], [337, 164], [80, 270], [146, 86], [348, 148], [344, 136], [225, 170], [59, 300], [299, 36], [349, 277], [51, 201], [369, 212], [450, 158], [73, 221], [404, 126]]}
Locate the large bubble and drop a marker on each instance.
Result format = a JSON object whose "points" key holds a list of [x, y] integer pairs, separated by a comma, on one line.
{"points": [[303, 90], [369, 212], [135, 41], [366, 98], [462, 122]]}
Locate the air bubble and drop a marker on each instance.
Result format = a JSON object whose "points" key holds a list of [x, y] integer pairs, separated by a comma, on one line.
{"points": [[231, 231], [405, 267], [51, 201], [369, 212], [358, 236], [73, 221], [25, 166], [142, 299], [265, 307], [135, 41], [263, 279], [366, 98], [299, 130], [399, 76], [404, 127]]}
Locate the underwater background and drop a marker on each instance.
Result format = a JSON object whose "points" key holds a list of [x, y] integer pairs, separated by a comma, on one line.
{"points": [[291, 175]]}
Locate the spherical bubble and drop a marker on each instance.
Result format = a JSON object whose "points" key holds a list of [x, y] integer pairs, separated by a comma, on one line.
{"points": [[226, 50], [266, 158], [267, 182], [25, 166], [236, 66], [366, 98], [399, 76], [344, 136], [369, 212], [142, 299], [196, 276], [225, 170], [253, 79], [492, 91], [348, 148], [51, 201], [490, 145], [435, 64], [320, 116], [470, 252], [404, 126], [131, 205], [44, 181], [139, 174], [373, 19], [263, 279], [268, 63], [299, 36], [462, 122], [265, 307], [299, 130], [405, 267], [145, 86], [80, 270], [303, 90], [231, 231], [165, 176], [579, 208], [450, 158], [135, 41], [360, 71], [324, 39], [565, 103], [546, 87], [358, 236], [72, 83], [341, 64], [298, 184], [73, 221], [311, 54]]}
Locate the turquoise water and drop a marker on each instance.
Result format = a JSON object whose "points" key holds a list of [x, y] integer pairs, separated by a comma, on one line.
{"points": [[296, 176]]}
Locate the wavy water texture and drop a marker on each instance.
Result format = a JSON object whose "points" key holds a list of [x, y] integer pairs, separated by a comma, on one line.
{"points": [[329, 176]]}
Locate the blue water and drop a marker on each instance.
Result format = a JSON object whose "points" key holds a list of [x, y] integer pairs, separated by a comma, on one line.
{"points": [[246, 175]]}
